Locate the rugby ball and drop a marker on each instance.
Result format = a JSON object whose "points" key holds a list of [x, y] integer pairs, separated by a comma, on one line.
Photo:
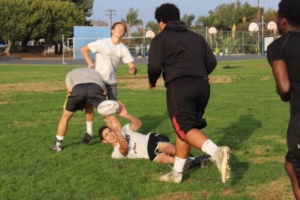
{"points": [[108, 107]]}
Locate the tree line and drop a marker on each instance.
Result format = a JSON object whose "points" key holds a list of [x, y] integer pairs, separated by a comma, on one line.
{"points": [[232, 17], [24, 20]]}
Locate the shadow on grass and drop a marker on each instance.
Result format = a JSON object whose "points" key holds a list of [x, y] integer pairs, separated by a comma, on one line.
{"points": [[151, 122], [235, 137]]}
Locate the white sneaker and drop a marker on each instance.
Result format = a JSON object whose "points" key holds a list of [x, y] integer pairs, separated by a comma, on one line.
{"points": [[172, 176], [221, 158], [57, 146]]}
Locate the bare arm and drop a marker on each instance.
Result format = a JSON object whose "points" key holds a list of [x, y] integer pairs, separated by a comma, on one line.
{"points": [[113, 123], [69, 83], [85, 54], [283, 86], [135, 123]]}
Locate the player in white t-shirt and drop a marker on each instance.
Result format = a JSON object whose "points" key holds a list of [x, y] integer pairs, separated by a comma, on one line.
{"points": [[128, 143], [109, 52]]}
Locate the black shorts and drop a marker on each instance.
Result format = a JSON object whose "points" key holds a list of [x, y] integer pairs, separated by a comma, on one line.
{"points": [[154, 140], [187, 98], [82, 94], [293, 142]]}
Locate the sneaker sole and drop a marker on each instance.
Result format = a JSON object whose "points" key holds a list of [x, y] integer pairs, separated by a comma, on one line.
{"points": [[225, 168], [162, 179], [166, 178], [57, 150]]}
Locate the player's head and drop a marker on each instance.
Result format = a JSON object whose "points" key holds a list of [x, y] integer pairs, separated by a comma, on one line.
{"points": [[167, 12], [107, 135], [119, 25], [288, 14]]}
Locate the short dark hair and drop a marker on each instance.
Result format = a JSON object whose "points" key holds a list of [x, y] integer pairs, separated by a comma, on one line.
{"points": [[122, 23], [167, 12], [290, 9], [100, 132]]}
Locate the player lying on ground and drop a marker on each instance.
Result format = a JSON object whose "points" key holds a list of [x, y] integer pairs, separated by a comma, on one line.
{"points": [[128, 143]]}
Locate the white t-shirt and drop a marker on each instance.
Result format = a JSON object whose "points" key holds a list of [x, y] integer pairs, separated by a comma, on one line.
{"points": [[108, 57], [137, 144]]}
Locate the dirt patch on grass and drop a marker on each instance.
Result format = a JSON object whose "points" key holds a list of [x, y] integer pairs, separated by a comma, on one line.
{"points": [[32, 87], [183, 195], [220, 79], [138, 83], [278, 189], [141, 82], [265, 78], [131, 83]]}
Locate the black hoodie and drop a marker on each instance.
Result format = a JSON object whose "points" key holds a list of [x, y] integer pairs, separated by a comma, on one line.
{"points": [[178, 52]]}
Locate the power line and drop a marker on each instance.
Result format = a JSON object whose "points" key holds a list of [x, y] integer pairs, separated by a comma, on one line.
{"points": [[110, 13]]}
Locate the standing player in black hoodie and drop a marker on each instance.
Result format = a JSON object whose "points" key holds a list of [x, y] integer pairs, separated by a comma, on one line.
{"points": [[185, 60]]}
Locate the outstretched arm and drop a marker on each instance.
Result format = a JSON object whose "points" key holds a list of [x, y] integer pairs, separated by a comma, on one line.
{"points": [[114, 124], [135, 123]]}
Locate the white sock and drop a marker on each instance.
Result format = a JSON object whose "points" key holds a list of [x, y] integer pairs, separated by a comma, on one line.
{"points": [[209, 147], [60, 138], [179, 164], [89, 128]]}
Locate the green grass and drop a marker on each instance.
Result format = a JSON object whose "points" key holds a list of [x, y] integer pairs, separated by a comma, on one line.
{"points": [[244, 113]]}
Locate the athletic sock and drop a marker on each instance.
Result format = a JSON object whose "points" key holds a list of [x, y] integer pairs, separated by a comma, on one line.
{"points": [[209, 147], [179, 164], [59, 138], [89, 128]]}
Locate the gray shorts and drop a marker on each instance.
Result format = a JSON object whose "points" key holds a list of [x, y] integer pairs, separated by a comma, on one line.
{"points": [[82, 94]]}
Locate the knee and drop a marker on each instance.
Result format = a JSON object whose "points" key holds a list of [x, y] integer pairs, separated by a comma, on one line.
{"points": [[66, 115]]}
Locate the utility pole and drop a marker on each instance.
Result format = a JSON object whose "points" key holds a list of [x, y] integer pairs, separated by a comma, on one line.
{"points": [[110, 13], [258, 11]]}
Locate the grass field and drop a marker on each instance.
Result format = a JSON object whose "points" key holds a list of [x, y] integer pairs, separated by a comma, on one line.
{"points": [[244, 113]]}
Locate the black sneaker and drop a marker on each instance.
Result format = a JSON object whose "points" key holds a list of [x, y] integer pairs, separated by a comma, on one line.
{"points": [[204, 161], [200, 161], [57, 146], [86, 139]]}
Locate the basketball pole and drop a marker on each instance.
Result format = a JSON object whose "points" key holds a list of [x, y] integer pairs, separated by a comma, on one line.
{"points": [[63, 50]]}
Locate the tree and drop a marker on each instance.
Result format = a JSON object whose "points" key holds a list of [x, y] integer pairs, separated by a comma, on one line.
{"points": [[132, 20], [188, 19], [38, 19], [151, 25], [208, 21], [16, 26], [64, 16], [269, 15], [85, 5], [247, 12]]}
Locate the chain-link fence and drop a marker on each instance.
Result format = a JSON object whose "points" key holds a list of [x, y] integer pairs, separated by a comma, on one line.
{"points": [[222, 43], [238, 42]]}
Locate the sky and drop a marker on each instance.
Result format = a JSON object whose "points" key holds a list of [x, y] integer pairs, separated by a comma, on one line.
{"points": [[146, 8]]}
